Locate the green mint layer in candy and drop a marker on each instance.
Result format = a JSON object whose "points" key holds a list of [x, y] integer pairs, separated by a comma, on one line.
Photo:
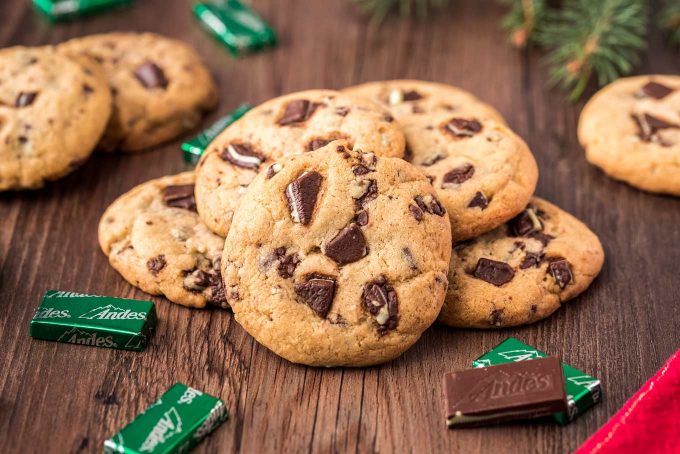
{"points": [[175, 423], [236, 26], [68, 9], [97, 321], [583, 391], [194, 148]]}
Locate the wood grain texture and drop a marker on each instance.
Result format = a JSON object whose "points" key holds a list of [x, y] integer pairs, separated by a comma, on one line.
{"points": [[64, 398]]}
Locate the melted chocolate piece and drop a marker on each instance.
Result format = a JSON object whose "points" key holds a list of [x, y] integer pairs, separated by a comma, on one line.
{"points": [[361, 218], [317, 143], [242, 155], [317, 293], [531, 260], [342, 111], [649, 125], [370, 194], [297, 111], [460, 127], [180, 196], [380, 300], [272, 170], [458, 175], [287, 263], [416, 212], [151, 76], [156, 264], [526, 222], [561, 271], [196, 280], [430, 204], [478, 201], [218, 295], [656, 90], [493, 272], [25, 98], [348, 246], [302, 194], [411, 95]]}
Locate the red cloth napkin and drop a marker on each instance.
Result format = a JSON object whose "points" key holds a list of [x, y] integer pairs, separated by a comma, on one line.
{"points": [[649, 422]]}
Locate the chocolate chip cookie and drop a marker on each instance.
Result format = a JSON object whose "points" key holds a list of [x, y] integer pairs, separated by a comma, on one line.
{"points": [[160, 87], [482, 171], [337, 257], [156, 241], [522, 271], [631, 130], [295, 123], [53, 110]]}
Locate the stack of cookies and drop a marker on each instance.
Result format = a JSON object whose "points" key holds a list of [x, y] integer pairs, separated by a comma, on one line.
{"points": [[118, 91], [340, 225]]}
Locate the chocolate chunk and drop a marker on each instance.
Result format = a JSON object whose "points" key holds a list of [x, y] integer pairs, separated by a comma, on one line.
{"points": [[218, 295], [196, 280], [516, 390], [287, 263], [180, 196], [526, 222], [561, 271], [302, 194], [430, 204], [380, 300], [348, 246], [242, 155], [156, 264], [342, 111], [317, 293], [360, 169], [649, 125], [361, 218], [411, 95], [388, 118], [151, 76], [496, 317], [317, 143], [531, 260], [460, 127], [370, 194], [272, 170], [25, 98], [409, 258], [493, 272], [87, 90], [297, 111], [458, 175], [433, 159], [478, 201], [544, 238], [416, 212], [656, 90]]}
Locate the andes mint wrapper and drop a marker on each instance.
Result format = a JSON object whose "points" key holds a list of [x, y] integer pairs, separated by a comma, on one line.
{"points": [[495, 394], [68, 9], [175, 423], [194, 148], [97, 321], [235, 25], [583, 391]]}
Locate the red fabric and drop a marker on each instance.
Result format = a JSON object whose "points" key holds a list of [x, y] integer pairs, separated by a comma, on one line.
{"points": [[649, 422]]}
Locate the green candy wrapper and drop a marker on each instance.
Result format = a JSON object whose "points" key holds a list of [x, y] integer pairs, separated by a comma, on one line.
{"points": [[97, 321], [583, 391], [175, 423], [68, 9], [235, 25], [194, 148]]}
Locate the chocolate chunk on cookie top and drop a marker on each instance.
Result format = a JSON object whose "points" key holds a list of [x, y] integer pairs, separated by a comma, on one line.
{"points": [[484, 173], [292, 124], [631, 130], [522, 271], [156, 241], [330, 265]]}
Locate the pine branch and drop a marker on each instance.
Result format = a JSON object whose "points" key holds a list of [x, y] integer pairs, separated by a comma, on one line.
{"points": [[603, 37], [525, 19], [379, 9], [670, 20]]}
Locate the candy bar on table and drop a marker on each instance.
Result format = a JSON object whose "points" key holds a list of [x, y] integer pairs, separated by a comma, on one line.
{"points": [[194, 148], [68, 9]]}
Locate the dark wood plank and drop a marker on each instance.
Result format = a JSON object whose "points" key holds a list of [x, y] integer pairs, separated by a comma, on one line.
{"points": [[61, 398]]}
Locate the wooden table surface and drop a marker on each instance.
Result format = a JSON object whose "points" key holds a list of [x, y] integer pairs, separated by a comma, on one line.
{"points": [[65, 398]]}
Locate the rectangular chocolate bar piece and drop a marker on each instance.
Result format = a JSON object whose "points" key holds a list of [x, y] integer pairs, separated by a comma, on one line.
{"points": [[97, 321], [528, 389], [175, 423], [194, 148], [583, 391]]}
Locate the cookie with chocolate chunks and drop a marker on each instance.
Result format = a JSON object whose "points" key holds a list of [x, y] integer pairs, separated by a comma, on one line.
{"points": [[522, 271], [483, 172], [53, 110], [330, 266], [160, 86], [631, 130], [292, 124], [156, 241]]}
